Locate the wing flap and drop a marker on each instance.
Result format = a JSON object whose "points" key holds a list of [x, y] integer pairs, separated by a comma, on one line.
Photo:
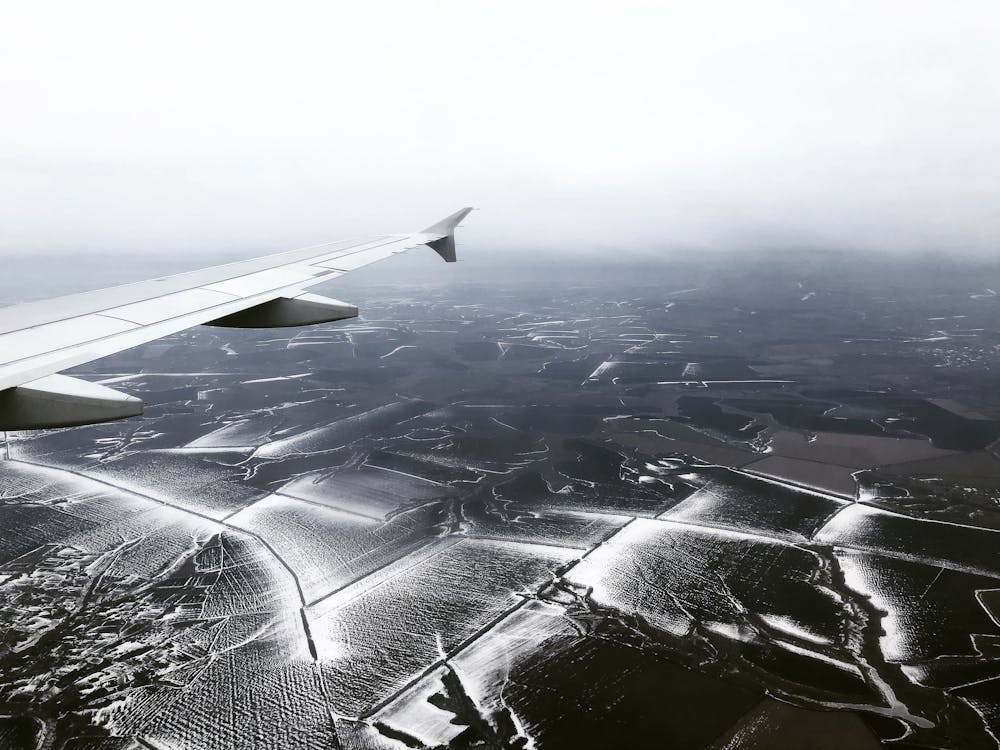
{"points": [[31, 342], [355, 261], [263, 281], [166, 307]]}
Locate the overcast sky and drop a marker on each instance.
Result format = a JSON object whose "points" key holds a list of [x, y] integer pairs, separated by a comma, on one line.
{"points": [[144, 126]]}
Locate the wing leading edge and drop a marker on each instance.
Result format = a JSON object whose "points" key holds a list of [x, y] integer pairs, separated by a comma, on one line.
{"points": [[38, 339]]}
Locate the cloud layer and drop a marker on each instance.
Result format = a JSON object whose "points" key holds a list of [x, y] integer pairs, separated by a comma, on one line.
{"points": [[573, 125]]}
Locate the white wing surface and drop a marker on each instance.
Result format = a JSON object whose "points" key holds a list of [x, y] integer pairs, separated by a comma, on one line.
{"points": [[38, 339]]}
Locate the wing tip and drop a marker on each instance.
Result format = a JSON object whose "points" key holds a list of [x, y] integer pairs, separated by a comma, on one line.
{"points": [[440, 237], [447, 224]]}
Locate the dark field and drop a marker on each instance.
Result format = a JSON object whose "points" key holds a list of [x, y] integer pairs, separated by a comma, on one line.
{"points": [[697, 506]]}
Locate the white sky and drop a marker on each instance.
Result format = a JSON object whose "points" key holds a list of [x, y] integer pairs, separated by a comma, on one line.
{"points": [[143, 126]]}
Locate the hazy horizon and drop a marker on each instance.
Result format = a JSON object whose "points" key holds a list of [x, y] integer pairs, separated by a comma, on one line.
{"points": [[629, 128]]}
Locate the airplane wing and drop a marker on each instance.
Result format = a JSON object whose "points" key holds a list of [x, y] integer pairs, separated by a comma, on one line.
{"points": [[38, 339]]}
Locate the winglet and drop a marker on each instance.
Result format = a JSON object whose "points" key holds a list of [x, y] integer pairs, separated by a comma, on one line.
{"points": [[441, 236], [448, 224]]}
